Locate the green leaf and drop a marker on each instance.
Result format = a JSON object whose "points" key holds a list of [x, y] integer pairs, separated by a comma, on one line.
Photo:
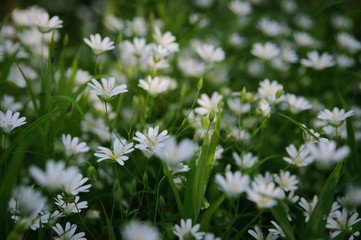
{"points": [[210, 211], [72, 101], [111, 234], [259, 163], [327, 4], [317, 223], [345, 234], [281, 217]]}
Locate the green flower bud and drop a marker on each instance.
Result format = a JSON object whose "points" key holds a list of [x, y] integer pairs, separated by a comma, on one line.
{"points": [[279, 93], [92, 173], [205, 121], [200, 83]]}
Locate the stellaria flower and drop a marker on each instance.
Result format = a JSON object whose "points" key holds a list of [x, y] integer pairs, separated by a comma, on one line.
{"points": [[266, 51], [308, 207], [52, 177], [9, 121], [341, 221], [318, 62], [207, 105], [210, 53], [348, 42], [45, 24], [107, 90], [287, 181], [69, 207], [264, 194], [154, 85], [300, 158], [152, 141], [120, 148], [258, 235], [233, 184], [186, 229], [73, 181], [336, 117], [136, 230], [98, 45], [72, 145], [245, 161], [297, 104], [270, 90], [167, 40], [240, 8], [326, 154], [68, 232], [304, 39]]}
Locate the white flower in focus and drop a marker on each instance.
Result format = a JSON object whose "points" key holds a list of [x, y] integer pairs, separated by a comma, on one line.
{"points": [[167, 40], [233, 184], [154, 85], [72, 145], [269, 90], [297, 104], [152, 141], [266, 51], [264, 194], [98, 45], [318, 62], [210, 53], [120, 148], [73, 182], [71, 205], [308, 207], [287, 181], [240, 8], [300, 158], [187, 231], [52, 177], [245, 161], [107, 90], [10, 121], [68, 232], [207, 105], [136, 230], [326, 154], [45, 24], [336, 117], [341, 221]]}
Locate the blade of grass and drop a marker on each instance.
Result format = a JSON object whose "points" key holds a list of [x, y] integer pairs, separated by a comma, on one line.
{"points": [[111, 234], [345, 234], [210, 211], [72, 101], [281, 217]]}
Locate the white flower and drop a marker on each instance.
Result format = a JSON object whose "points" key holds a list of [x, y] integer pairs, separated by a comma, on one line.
{"points": [[308, 207], [167, 40], [98, 45], [136, 27], [336, 117], [71, 205], [68, 232], [191, 67], [269, 27], [235, 105], [344, 61], [297, 104], [17, 78], [348, 42], [207, 105], [234, 183], [300, 158], [258, 235], [154, 85], [136, 230], [187, 230], [9, 121], [45, 24], [120, 148], [113, 23], [240, 8], [269, 90], [52, 177], [277, 230], [152, 141], [303, 21], [288, 55], [318, 62], [325, 153], [264, 194], [73, 182], [341, 22], [266, 51], [8, 102], [342, 221], [304, 39], [210, 53], [264, 108], [245, 161], [107, 90], [72, 146], [287, 181]]}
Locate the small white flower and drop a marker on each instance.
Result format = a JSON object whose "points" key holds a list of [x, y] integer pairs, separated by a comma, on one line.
{"points": [[167, 40], [258, 235], [152, 141], [277, 230], [304, 39], [154, 85], [8, 102], [207, 105], [210, 53], [287, 181], [45, 24], [264, 194], [297, 104], [107, 90], [245, 161], [186, 229], [348, 42], [68, 232], [52, 177], [341, 221], [269, 27], [344, 61], [308, 207], [72, 146], [120, 148], [240, 8], [73, 182], [191, 67], [136, 230], [336, 117], [289, 56], [98, 45], [300, 158], [233, 184], [269, 90], [69, 206], [325, 153], [266, 51], [264, 108], [317, 61], [9, 121]]}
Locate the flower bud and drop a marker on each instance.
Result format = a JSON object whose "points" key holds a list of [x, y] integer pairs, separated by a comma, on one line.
{"points": [[205, 121], [92, 173], [200, 83]]}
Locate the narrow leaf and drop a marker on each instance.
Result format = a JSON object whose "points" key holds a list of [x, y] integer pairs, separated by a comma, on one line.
{"points": [[72, 101], [111, 234], [281, 217]]}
